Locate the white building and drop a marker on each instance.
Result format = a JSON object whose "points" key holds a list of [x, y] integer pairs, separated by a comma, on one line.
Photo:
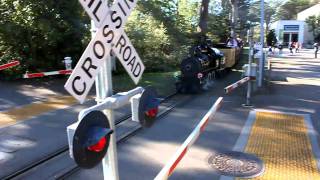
{"points": [[289, 31], [302, 16], [296, 30]]}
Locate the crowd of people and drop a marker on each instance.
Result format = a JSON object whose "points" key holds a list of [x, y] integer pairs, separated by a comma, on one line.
{"points": [[234, 42], [293, 47]]}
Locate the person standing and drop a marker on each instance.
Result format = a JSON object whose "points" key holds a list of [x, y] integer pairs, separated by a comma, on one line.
{"points": [[232, 42], [270, 52], [280, 47], [297, 47], [316, 49], [291, 46]]}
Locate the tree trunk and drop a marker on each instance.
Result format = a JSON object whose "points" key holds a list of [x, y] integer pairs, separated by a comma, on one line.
{"points": [[203, 23], [234, 17], [267, 27]]}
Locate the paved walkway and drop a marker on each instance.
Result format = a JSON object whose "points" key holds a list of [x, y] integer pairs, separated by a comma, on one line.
{"points": [[286, 144]]}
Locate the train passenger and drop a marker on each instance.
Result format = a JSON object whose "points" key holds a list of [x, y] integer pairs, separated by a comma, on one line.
{"points": [[240, 42], [232, 42]]}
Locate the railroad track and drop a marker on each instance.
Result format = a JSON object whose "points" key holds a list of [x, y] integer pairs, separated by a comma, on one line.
{"points": [[65, 149]]}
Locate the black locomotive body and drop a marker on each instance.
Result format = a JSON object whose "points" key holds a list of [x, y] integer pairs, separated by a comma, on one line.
{"points": [[202, 64]]}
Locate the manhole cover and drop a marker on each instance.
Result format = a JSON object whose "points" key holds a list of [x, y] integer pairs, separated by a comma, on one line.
{"points": [[236, 164]]}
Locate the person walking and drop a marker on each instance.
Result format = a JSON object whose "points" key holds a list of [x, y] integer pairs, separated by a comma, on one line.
{"points": [[297, 47], [270, 52], [280, 47], [316, 49], [291, 46]]}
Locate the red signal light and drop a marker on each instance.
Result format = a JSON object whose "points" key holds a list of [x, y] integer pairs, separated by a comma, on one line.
{"points": [[91, 139], [148, 107], [99, 146], [152, 112]]}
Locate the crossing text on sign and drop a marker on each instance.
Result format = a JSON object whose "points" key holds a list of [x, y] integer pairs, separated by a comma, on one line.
{"points": [[110, 36]]}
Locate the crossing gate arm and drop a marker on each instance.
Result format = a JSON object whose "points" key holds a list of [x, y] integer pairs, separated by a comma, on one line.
{"points": [[169, 168], [43, 74], [9, 65], [235, 85]]}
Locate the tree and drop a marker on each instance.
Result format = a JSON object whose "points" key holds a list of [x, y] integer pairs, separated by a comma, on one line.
{"points": [[269, 13], [218, 20], [162, 31], [234, 16], [271, 38], [290, 9], [314, 26], [187, 16], [243, 26], [203, 22], [40, 33]]}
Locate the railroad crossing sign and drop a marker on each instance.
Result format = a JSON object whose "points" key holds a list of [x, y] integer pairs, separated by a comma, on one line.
{"points": [[109, 37]]}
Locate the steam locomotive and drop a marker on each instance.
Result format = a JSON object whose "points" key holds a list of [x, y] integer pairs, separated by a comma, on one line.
{"points": [[203, 63]]}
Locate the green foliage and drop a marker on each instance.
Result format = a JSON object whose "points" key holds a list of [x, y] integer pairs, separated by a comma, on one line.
{"points": [[271, 38], [218, 22], [314, 26], [40, 33], [269, 12], [151, 41], [290, 9], [162, 31]]}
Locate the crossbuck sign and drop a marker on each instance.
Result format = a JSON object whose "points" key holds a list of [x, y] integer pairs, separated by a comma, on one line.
{"points": [[110, 36]]}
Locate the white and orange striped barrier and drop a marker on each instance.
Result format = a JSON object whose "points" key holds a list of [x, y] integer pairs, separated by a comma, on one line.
{"points": [[9, 65], [169, 168], [235, 85], [43, 74]]}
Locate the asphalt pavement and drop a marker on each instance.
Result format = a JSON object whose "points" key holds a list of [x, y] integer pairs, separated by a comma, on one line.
{"points": [[292, 87]]}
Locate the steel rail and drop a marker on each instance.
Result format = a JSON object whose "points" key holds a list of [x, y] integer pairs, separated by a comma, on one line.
{"points": [[66, 148]]}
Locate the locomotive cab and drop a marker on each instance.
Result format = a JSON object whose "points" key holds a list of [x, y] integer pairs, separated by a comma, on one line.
{"points": [[197, 70]]}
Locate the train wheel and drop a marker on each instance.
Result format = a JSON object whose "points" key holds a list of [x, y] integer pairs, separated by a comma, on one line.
{"points": [[221, 73], [179, 87]]}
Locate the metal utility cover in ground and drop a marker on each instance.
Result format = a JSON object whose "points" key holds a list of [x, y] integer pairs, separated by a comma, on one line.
{"points": [[110, 36], [236, 164]]}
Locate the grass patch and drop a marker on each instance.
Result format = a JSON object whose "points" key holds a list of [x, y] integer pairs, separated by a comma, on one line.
{"points": [[162, 81]]}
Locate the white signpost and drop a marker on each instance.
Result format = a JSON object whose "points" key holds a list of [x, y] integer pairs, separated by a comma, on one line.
{"points": [[109, 36], [258, 47], [95, 60]]}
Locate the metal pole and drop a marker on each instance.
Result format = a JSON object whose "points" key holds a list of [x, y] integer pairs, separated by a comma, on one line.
{"points": [[248, 104], [110, 162], [261, 64], [103, 90]]}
